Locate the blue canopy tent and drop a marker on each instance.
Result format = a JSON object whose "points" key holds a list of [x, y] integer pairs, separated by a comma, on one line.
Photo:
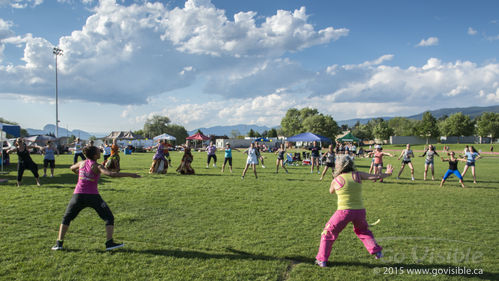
{"points": [[262, 140], [308, 137], [14, 130]]}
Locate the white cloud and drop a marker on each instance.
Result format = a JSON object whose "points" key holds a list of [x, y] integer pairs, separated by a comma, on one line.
{"points": [[351, 91], [126, 54], [471, 31], [20, 4], [493, 38], [200, 28], [432, 83], [431, 41]]}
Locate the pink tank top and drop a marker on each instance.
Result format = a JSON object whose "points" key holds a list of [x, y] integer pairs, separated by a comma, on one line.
{"points": [[378, 158], [87, 180]]}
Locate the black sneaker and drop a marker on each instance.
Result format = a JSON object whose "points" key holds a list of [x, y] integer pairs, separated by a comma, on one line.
{"points": [[110, 245], [58, 245]]}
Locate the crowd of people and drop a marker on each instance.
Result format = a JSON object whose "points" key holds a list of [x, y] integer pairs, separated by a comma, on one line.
{"points": [[346, 179]]}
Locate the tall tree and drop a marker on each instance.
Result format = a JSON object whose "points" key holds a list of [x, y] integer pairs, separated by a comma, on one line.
{"points": [[272, 133], [294, 121], [139, 132], [488, 125], [178, 131], [457, 124], [291, 124], [427, 127], [382, 131], [156, 125], [362, 131], [251, 133], [323, 125], [402, 126]]}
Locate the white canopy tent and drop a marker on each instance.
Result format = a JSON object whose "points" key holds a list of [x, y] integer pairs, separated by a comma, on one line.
{"points": [[164, 136]]}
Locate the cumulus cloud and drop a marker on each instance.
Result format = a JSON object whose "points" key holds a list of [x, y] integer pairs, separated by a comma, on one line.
{"points": [[471, 31], [200, 28], [256, 79], [126, 54], [432, 83], [431, 41], [355, 91]]}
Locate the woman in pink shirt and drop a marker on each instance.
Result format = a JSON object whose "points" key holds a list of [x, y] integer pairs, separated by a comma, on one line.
{"points": [[378, 161], [86, 194]]}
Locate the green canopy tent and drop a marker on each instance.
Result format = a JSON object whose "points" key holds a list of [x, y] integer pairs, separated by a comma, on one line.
{"points": [[348, 138]]}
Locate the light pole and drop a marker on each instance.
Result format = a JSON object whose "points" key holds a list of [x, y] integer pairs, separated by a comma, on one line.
{"points": [[57, 52]]}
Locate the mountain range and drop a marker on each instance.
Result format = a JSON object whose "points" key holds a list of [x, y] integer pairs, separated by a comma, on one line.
{"points": [[227, 130], [50, 129], [472, 112], [244, 129]]}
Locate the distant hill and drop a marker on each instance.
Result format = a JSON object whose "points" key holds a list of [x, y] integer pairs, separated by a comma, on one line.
{"points": [[470, 111], [227, 130], [50, 129]]}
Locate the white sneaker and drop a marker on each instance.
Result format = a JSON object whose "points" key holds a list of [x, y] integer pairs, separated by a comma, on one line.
{"points": [[412, 178], [207, 166], [214, 165], [263, 166]]}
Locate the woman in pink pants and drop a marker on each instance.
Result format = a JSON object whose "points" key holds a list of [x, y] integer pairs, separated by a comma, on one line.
{"points": [[347, 184]]}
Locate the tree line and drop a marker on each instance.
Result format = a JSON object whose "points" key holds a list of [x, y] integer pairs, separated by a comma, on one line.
{"points": [[303, 120], [310, 120]]}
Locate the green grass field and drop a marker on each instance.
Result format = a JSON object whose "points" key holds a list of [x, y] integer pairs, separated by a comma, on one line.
{"points": [[213, 226]]}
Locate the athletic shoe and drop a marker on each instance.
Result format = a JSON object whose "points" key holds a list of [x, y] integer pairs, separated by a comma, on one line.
{"points": [[207, 166], [44, 176], [378, 255], [110, 245], [318, 172], [58, 245], [214, 165], [287, 172], [321, 263], [398, 178], [263, 166], [242, 177], [412, 178]]}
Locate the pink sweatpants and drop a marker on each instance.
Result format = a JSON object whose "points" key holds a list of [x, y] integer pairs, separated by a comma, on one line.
{"points": [[337, 223]]}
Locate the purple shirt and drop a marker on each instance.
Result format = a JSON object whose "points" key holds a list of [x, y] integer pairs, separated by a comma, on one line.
{"points": [[159, 153], [87, 179], [211, 150]]}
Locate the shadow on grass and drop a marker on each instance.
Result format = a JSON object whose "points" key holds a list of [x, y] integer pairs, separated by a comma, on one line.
{"points": [[241, 255]]}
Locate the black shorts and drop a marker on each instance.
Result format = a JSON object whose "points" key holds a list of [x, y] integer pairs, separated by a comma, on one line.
{"points": [[406, 162], [46, 163], [330, 165], [30, 165], [214, 158], [81, 201], [228, 159]]}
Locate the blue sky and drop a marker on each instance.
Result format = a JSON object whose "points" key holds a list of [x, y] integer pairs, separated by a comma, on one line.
{"points": [[223, 62]]}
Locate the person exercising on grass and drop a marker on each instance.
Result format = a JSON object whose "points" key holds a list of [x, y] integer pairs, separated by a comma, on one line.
{"points": [[86, 194], [406, 154]]}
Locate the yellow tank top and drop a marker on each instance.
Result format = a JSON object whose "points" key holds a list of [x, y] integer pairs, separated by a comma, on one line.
{"points": [[350, 194]]}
